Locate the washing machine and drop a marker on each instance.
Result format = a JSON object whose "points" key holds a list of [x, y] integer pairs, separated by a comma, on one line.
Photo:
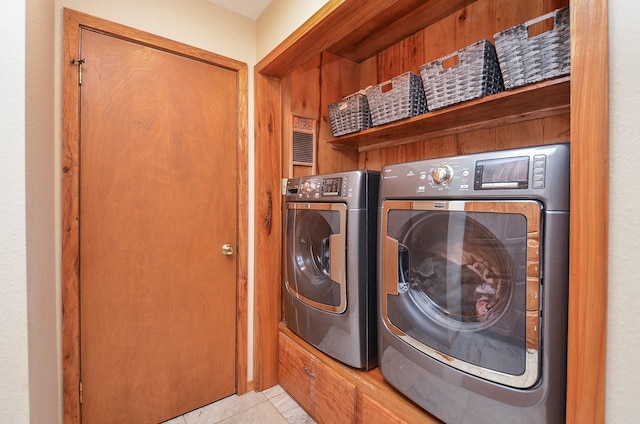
{"points": [[330, 250], [473, 284]]}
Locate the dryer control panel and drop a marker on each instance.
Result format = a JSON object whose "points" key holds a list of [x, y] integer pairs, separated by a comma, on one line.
{"points": [[357, 189], [318, 187]]}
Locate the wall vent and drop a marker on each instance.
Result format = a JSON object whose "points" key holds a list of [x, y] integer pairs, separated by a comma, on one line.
{"points": [[304, 141]]}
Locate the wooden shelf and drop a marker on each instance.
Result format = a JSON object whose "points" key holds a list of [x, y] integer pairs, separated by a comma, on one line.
{"points": [[541, 100]]}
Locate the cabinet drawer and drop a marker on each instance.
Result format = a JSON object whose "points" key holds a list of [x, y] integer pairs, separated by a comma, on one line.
{"points": [[324, 394], [296, 375]]}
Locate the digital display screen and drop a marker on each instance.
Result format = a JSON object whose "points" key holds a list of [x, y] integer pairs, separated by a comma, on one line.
{"points": [[507, 173], [331, 186]]}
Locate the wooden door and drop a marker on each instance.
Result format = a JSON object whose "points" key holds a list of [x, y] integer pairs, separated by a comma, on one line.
{"points": [[157, 203]]}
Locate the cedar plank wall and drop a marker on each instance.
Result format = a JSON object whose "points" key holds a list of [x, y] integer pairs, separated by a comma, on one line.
{"points": [[303, 91], [482, 19], [486, 17]]}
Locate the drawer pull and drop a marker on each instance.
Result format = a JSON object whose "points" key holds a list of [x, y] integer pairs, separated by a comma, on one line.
{"points": [[309, 373]]}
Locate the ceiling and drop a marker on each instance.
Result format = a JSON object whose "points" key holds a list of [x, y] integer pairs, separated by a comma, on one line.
{"points": [[249, 8]]}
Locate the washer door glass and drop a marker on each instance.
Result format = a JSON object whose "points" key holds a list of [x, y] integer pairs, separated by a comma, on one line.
{"points": [[461, 282], [315, 255]]}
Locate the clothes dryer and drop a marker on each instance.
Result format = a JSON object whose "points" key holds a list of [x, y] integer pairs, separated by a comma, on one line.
{"points": [[473, 284], [329, 290]]}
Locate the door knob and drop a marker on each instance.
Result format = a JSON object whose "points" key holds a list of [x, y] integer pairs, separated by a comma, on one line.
{"points": [[227, 249]]}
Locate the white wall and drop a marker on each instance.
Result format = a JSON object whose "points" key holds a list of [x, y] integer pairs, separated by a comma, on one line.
{"points": [[280, 19], [14, 371], [42, 293], [198, 23], [623, 336]]}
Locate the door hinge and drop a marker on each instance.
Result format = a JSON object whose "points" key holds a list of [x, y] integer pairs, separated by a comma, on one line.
{"points": [[78, 62], [81, 392]]}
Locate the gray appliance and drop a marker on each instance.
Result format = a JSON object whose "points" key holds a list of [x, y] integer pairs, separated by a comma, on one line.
{"points": [[473, 284], [329, 293]]}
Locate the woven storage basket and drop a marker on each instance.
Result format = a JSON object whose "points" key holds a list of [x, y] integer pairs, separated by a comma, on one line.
{"points": [[403, 100], [476, 74], [525, 60], [349, 115]]}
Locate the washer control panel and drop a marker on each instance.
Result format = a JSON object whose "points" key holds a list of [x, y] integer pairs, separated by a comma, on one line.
{"points": [[541, 172], [464, 174]]}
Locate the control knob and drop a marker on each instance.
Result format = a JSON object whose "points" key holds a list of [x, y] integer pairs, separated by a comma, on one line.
{"points": [[308, 187], [442, 175]]}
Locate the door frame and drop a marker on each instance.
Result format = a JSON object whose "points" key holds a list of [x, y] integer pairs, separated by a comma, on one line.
{"points": [[74, 22]]}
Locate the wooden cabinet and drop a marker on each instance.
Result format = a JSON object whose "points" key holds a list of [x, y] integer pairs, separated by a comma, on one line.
{"points": [[323, 393], [350, 44], [334, 393]]}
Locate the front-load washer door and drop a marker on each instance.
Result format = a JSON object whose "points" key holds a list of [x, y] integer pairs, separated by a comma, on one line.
{"points": [[316, 255], [460, 281]]}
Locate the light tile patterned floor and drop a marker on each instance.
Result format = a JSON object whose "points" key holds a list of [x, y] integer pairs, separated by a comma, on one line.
{"points": [[272, 406]]}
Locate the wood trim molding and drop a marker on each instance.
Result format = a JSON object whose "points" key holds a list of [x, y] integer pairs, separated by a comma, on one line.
{"points": [[589, 212], [70, 226], [73, 22], [268, 230], [242, 208]]}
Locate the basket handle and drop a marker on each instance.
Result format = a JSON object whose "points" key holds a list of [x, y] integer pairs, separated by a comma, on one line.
{"points": [[445, 62], [450, 61], [386, 86], [542, 18]]}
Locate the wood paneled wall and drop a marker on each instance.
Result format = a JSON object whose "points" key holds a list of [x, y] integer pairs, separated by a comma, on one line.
{"points": [[327, 78]]}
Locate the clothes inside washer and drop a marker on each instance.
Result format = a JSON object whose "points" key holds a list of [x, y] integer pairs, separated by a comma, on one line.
{"points": [[465, 292], [454, 299], [454, 289]]}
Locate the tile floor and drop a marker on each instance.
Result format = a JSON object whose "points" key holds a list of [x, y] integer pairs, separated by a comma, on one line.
{"points": [[272, 406]]}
